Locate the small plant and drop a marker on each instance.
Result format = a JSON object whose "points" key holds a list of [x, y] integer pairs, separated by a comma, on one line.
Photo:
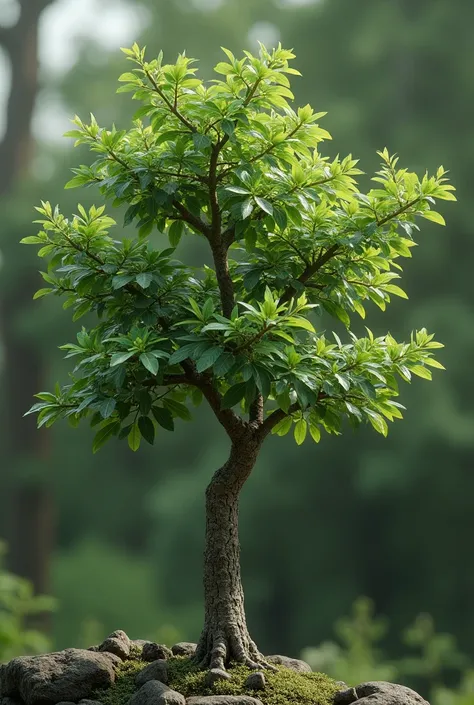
{"points": [[17, 604], [290, 237]]}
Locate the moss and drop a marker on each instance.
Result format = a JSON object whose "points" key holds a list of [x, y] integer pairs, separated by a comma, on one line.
{"points": [[283, 687]]}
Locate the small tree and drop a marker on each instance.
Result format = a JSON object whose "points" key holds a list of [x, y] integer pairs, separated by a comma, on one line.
{"points": [[290, 236]]}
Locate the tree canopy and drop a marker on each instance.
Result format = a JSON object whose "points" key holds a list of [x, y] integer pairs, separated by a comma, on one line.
{"points": [[290, 234]]}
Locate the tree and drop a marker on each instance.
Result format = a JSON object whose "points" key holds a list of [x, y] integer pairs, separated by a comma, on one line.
{"points": [[290, 235]]}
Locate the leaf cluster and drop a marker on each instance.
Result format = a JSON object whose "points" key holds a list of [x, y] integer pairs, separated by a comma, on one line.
{"points": [[291, 236]]}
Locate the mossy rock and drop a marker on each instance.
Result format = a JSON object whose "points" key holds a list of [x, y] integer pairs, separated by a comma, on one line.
{"points": [[283, 686]]}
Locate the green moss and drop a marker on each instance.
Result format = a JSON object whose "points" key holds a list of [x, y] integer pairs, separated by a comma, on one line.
{"points": [[283, 687]]}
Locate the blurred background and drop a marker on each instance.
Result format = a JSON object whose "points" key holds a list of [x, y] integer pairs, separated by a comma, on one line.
{"points": [[117, 538]]}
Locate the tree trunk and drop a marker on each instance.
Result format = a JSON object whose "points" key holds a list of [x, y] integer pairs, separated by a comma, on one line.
{"points": [[225, 636]]}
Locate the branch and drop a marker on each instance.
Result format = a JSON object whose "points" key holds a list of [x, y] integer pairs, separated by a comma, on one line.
{"points": [[191, 219], [173, 108], [398, 212], [310, 270], [232, 423], [274, 418]]}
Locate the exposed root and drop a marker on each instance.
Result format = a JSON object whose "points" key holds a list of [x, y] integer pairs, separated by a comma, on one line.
{"points": [[219, 650]]}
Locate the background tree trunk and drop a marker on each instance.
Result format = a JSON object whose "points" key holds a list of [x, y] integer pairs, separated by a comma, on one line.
{"points": [[225, 636], [29, 530]]}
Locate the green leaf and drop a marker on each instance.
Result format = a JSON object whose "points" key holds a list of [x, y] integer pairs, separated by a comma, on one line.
{"points": [[264, 205], [107, 408], [164, 417], [175, 232], [144, 279], [300, 431], [118, 358], [208, 358], [42, 292], [421, 371], [150, 362], [283, 426], [377, 421], [234, 395], [247, 208], [178, 409], [81, 310], [315, 433], [134, 437], [435, 217], [201, 142], [103, 435], [32, 240], [228, 127], [147, 429]]}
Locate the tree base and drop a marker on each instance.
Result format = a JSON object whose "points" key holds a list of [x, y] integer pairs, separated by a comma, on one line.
{"points": [[218, 647]]}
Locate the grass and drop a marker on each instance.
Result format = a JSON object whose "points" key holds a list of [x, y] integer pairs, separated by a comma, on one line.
{"points": [[283, 687]]}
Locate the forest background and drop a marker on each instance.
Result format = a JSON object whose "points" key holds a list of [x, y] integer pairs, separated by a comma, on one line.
{"points": [[117, 537]]}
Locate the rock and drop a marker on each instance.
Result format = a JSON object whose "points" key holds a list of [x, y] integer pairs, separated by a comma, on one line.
{"points": [[69, 675], [294, 663], [152, 651], [89, 702], [216, 674], [255, 681], [345, 697], [184, 648], [66, 702], [9, 701], [383, 693], [342, 685], [156, 693], [155, 671], [223, 700], [117, 643], [93, 648]]}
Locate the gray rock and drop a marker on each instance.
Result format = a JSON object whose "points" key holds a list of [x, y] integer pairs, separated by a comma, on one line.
{"points": [[255, 681], [156, 693], [223, 700], [152, 651], [117, 643], [69, 675], [184, 648], [155, 671], [216, 674], [383, 693], [10, 701], [89, 702], [345, 697], [294, 663]]}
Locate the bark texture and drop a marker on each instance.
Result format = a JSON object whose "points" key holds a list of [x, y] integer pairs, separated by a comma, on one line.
{"points": [[30, 529], [225, 636]]}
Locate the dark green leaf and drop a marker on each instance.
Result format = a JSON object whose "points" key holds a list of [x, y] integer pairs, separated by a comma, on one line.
{"points": [[234, 395], [147, 429], [164, 417]]}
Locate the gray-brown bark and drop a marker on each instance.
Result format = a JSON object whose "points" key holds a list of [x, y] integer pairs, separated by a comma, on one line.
{"points": [[225, 636], [30, 530]]}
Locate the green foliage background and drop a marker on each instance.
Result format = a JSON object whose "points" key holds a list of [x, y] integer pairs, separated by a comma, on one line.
{"points": [[390, 518]]}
